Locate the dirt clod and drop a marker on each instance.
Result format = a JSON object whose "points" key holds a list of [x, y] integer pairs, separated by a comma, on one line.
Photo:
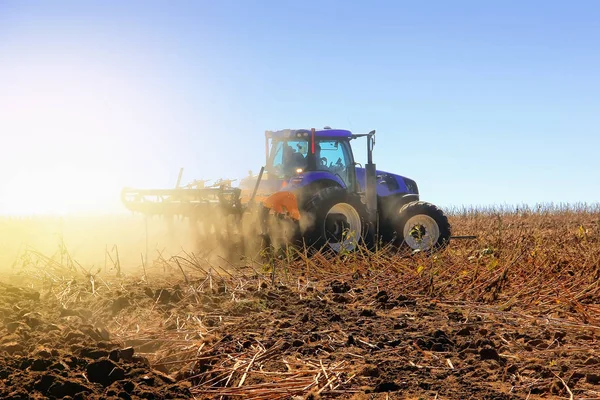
{"points": [[340, 287], [104, 372], [593, 378], [489, 353], [386, 387]]}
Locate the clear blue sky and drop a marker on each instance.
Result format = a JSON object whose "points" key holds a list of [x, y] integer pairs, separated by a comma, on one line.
{"points": [[481, 102]]}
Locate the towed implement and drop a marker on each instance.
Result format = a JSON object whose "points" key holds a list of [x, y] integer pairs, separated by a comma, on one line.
{"points": [[311, 192]]}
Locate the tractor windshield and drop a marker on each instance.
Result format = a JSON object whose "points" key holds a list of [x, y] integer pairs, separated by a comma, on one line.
{"points": [[288, 158]]}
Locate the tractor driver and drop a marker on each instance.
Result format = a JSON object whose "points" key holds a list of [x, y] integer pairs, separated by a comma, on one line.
{"points": [[321, 162], [315, 159], [292, 161]]}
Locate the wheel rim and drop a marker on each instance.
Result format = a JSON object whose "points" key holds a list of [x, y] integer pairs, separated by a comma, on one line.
{"points": [[343, 227], [421, 232]]}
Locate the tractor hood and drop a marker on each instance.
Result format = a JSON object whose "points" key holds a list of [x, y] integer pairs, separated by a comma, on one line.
{"points": [[388, 183]]}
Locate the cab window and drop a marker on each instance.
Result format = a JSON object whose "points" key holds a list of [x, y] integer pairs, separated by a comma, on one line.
{"points": [[332, 156], [288, 158]]}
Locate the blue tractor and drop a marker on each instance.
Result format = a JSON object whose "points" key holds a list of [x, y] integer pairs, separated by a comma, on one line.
{"points": [[312, 192]]}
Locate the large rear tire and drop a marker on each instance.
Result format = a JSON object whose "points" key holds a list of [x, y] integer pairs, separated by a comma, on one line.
{"points": [[422, 227], [333, 219]]}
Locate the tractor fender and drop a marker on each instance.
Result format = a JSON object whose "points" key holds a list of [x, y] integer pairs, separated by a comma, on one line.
{"points": [[392, 203], [389, 209], [321, 178], [306, 185], [407, 198], [308, 190]]}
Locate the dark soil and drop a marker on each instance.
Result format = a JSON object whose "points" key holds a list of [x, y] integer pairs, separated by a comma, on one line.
{"points": [[367, 342], [49, 352]]}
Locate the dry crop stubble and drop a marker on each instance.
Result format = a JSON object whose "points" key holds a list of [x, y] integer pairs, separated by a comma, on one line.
{"points": [[511, 314]]}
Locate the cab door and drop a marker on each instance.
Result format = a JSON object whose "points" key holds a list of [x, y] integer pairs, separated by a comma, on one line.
{"points": [[334, 156]]}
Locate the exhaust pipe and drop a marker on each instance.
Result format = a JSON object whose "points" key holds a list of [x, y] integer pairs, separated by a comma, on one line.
{"points": [[371, 181]]}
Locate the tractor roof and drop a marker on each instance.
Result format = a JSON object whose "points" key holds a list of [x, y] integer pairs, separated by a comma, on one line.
{"points": [[289, 133]]}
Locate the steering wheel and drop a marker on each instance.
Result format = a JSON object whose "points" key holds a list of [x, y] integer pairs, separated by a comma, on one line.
{"points": [[337, 167], [323, 161]]}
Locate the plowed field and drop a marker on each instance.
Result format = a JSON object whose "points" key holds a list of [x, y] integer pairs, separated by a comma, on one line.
{"points": [[514, 313]]}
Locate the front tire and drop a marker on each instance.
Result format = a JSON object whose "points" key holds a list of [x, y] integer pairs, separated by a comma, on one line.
{"points": [[423, 227]]}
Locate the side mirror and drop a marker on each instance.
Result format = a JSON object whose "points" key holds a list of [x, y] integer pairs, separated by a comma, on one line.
{"points": [[372, 137]]}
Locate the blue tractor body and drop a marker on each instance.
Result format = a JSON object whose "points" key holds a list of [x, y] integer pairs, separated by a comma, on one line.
{"points": [[387, 184]]}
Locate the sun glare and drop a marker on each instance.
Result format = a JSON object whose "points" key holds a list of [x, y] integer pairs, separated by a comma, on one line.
{"points": [[71, 130], [59, 191], [55, 164]]}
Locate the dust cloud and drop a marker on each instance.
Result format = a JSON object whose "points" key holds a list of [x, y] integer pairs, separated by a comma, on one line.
{"points": [[95, 241]]}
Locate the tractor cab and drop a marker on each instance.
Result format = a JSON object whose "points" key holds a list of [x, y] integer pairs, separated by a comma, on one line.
{"points": [[300, 157]]}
